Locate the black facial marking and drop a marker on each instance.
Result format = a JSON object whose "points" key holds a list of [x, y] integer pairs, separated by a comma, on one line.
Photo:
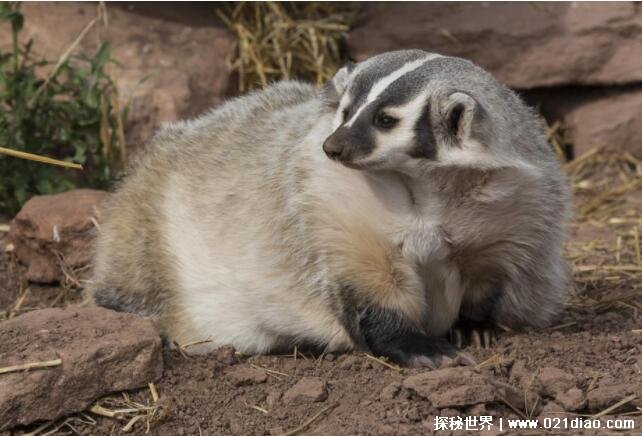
{"points": [[385, 121], [426, 146]]}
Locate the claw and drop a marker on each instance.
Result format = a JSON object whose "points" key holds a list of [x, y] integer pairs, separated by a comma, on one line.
{"points": [[421, 361], [465, 359], [476, 339], [488, 339]]}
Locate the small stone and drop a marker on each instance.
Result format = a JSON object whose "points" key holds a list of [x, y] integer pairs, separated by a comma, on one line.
{"points": [[243, 375], [348, 362], [226, 355], [554, 381], [572, 400], [307, 390], [452, 387], [329, 357], [520, 375]]}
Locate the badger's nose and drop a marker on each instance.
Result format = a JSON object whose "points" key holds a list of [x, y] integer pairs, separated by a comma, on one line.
{"points": [[332, 147]]}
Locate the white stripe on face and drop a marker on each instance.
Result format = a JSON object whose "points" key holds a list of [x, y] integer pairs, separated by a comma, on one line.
{"points": [[379, 87]]}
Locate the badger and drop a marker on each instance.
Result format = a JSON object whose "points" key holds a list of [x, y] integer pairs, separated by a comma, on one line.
{"points": [[411, 193]]}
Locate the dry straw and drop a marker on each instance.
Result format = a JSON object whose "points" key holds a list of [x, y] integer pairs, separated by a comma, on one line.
{"points": [[286, 40]]}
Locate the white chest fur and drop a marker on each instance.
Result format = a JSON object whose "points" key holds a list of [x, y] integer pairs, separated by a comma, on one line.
{"points": [[425, 245]]}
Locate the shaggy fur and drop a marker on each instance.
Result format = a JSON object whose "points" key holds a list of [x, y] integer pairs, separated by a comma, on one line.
{"points": [[238, 228]]}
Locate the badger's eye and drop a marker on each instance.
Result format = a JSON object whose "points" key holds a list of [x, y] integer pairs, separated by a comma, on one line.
{"points": [[345, 114], [385, 121]]}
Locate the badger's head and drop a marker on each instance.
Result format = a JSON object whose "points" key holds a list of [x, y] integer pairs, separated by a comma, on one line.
{"points": [[411, 111]]}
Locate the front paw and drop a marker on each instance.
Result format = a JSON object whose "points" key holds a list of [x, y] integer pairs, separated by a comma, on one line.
{"points": [[390, 334], [438, 353]]}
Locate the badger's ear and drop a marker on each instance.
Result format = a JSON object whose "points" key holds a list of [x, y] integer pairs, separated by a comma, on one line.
{"points": [[335, 87], [464, 118]]}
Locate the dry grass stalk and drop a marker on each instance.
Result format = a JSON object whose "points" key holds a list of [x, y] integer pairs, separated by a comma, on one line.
{"points": [[615, 406], [123, 409], [382, 362], [286, 40], [31, 365], [38, 158], [608, 268]]}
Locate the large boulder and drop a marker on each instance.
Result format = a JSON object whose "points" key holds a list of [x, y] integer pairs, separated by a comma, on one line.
{"points": [[171, 59], [525, 45], [53, 234], [595, 117], [92, 352]]}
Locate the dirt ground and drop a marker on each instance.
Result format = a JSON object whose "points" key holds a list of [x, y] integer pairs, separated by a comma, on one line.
{"points": [[596, 346]]}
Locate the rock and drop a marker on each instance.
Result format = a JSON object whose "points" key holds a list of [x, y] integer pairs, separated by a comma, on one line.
{"points": [[226, 355], [594, 116], [605, 396], [307, 390], [553, 381], [524, 45], [101, 351], [521, 375], [348, 362], [572, 400], [613, 120], [49, 226], [243, 375], [452, 387], [171, 61], [520, 399]]}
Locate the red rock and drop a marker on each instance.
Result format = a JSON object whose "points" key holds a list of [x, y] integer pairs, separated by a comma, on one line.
{"points": [[307, 390], [554, 381], [226, 355], [101, 351], [243, 375], [606, 396], [525, 45], [613, 120], [53, 225], [452, 387], [572, 400]]}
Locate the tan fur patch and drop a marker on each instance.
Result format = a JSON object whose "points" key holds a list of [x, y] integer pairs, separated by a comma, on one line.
{"points": [[372, 264]]}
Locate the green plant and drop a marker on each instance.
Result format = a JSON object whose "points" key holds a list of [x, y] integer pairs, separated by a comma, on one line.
{"points": [[68, 109]]}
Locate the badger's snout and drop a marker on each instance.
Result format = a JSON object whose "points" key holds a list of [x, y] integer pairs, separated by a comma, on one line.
{"points": [[345, 147], [336, 146]]}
